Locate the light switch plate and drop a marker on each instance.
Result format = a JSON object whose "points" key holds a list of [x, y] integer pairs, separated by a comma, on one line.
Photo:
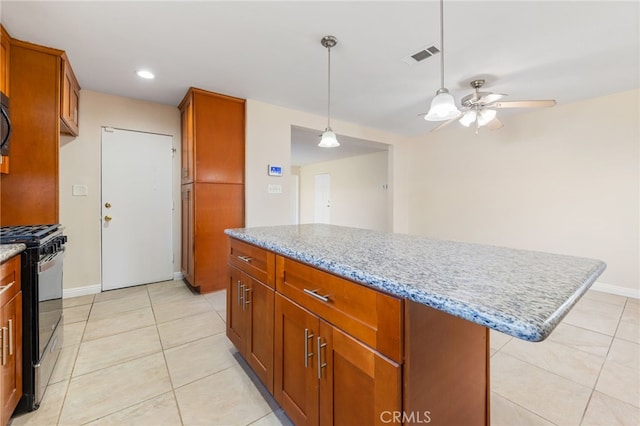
{"points": [[79, 190], [274, 189]]}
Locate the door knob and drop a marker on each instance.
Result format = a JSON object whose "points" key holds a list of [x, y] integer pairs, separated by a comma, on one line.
{"points": [[108, 218], [107, 205]]}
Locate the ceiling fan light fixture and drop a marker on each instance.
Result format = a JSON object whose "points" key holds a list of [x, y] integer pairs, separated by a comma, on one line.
{"points": [[328, 139], [468, 118], [485, 116], [443, 107]]}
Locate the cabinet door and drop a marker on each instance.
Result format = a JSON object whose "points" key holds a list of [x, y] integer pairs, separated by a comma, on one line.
{"points": [[5, 55], [295, 371], [187, 257], [259, 303], [357, 384], [69, 99], [187, 141], [217, 207], [11, 356], [236, 317], [219, 138]]}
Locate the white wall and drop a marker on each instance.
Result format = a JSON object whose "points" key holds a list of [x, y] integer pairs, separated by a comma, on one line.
{"points": [[563, 180], [80, 164], [268, 140], [358, 197]]}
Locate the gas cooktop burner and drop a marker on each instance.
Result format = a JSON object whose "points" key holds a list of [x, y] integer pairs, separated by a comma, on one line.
{"points": [[26, 233]]}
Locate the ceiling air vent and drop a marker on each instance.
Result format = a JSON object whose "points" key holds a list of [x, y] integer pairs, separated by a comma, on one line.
{"points": [[421, 55]]}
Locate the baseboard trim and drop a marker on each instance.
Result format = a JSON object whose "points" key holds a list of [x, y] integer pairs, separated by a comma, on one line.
{"points": [[614, 289], [81, 291], [177, 276]]}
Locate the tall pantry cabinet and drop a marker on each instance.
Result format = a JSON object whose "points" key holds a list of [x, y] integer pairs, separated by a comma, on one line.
{"points": [[212, 184]]}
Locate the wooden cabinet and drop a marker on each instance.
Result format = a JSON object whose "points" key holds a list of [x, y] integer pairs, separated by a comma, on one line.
{"points": [[347, 354], [69, 98], [188, 250], [30, 191], [39, 77], [213, 163], [324, 376], [250, 307], [10, 337], [5, 60]]}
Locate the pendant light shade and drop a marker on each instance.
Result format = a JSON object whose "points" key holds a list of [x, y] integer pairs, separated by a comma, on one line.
{"points": [[443, 106], [328, 139]]}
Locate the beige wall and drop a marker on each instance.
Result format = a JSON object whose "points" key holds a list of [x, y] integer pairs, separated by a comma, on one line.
{"points": [[268, 141], [562, 180], [80, 164], [358, 192]]}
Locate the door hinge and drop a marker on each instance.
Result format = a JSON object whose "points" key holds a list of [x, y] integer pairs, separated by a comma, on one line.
{"points": [[108, 129]]}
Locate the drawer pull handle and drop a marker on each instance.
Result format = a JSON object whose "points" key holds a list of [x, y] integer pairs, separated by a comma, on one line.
{"points": [[315, 294], [321, 364], [247, 259], [307, 354]]}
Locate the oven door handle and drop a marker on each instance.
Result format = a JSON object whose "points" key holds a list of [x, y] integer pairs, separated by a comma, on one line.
{"points": [[49, 263]]}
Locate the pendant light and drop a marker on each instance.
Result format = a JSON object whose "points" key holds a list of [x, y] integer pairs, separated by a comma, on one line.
{"points": [[328, 139], [443, 106]]}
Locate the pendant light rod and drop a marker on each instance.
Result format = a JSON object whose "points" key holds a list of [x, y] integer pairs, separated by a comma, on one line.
{"points": [[441, 44], [329, 42]]}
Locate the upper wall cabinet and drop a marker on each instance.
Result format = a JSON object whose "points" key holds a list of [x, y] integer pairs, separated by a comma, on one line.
{"points": [[69, 98], [212, 138], [5, 55]]}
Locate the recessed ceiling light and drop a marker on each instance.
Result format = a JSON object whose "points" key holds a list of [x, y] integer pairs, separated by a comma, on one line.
{"points": [[145, 74]]}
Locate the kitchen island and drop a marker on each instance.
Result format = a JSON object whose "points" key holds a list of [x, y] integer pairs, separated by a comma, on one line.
{"points": [[430, 305]]}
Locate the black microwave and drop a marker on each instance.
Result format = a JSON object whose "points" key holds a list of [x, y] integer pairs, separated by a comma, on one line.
{"points": [[5, 125]]}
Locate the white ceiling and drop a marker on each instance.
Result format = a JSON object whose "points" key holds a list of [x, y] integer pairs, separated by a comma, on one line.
{"points": [[271, 51]]}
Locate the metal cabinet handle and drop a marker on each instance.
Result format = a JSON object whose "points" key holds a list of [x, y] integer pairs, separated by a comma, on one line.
{"points": [[321, 364], [247, 259], [10, 337], [4, 345], [241, 294], [246, 297], [315, 294], [307, 354]]}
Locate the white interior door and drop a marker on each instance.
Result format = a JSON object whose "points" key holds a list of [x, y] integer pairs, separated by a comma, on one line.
{"points": [[322, 193], [137, 208]]}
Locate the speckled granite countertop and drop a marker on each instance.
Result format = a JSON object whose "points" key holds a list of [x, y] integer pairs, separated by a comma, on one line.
{"points": [[7, 251], [521, 293]]}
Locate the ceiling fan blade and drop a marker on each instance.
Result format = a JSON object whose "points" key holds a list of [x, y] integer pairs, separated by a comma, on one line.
{"points": [[488, 97], [525, 104], [494, 124], [446, 123]]}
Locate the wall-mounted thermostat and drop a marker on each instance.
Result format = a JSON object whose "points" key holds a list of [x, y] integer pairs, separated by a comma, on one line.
{"points": [[275, 170]]}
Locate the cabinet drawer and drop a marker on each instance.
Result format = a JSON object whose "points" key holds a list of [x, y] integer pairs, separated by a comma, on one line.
{"points": [[371, 316], [253, 260], [9, 279]]}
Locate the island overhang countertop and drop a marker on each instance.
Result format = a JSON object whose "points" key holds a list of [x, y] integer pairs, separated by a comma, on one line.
{"points": [[522, 293]]}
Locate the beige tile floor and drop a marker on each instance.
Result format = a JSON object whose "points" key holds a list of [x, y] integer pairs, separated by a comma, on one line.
{"points": [[158, 355]]}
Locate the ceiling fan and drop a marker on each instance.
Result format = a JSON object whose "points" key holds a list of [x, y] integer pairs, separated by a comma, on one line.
{"points": [[479, 108]]}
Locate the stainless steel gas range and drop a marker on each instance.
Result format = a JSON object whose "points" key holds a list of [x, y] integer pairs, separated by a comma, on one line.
{"points": [[42, 304]]}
